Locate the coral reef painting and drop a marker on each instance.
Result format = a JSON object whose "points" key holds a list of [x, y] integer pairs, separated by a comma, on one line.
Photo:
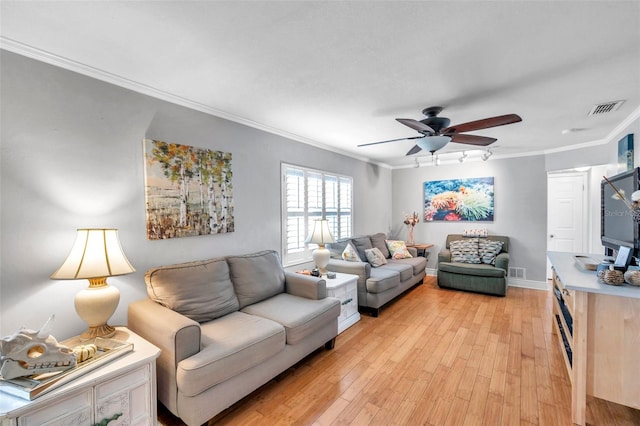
{"points": [[188, 190], [468, 199]]}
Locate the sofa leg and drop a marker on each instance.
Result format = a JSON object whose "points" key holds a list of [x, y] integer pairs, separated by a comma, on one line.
{"points": [[330, 344], [375, 312]]}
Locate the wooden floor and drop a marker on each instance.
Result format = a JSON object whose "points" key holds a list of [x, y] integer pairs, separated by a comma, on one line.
{"points": [[433, 357]]}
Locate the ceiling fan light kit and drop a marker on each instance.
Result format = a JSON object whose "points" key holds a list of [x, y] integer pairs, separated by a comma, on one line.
{"points": [[436, 132]]}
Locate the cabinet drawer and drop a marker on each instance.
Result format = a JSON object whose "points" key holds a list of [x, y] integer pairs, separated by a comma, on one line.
{"points": [[128, 397], [72, 410]]}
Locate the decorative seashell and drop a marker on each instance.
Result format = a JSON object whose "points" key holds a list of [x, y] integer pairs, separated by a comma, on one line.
{"points": [[84, 352], [632, 277], [613, 277]]}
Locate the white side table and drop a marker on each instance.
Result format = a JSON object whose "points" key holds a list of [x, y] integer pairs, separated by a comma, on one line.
{"points": [[345, 288], [125, 386]]}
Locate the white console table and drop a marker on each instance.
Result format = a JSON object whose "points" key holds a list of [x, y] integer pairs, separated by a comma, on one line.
{"points": [[125, 386], [600, 324], [345, 288]]}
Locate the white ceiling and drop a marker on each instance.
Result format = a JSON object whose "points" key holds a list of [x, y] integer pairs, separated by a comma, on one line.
{"points": [[337, 73]]}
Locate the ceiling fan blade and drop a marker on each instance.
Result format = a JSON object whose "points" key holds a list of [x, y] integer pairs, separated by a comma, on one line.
{"points": [[416, 125], [472, 139], [485, 123], [391, 140], [414, 150]]}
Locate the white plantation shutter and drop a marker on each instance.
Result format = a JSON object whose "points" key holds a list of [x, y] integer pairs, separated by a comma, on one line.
{"points": [[308, 195]]}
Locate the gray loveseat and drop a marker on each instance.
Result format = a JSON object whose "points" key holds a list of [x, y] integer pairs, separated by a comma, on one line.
{"points": [[377, 285], [227, 326], [489, 272]]}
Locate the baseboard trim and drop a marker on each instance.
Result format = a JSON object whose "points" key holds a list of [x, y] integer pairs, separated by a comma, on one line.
{"points": [[512, 282]]}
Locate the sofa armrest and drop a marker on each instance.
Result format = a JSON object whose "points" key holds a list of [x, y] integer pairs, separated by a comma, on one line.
{"points": [[502, 261], [306, 286], [172, 332], [413, 251], [444, 255], [361, 269]]}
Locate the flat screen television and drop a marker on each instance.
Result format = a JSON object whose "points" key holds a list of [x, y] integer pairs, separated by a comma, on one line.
{"points": [[617, 225]]}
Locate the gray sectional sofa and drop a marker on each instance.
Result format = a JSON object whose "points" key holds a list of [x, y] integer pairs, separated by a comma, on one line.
{"points": [[377, 285], [227, 326]]}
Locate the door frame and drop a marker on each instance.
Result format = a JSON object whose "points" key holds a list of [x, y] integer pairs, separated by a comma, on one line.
{"points": [[586, 217]]}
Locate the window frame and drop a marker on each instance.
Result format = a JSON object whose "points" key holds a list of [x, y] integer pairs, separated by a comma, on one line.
{"points": [[340, 217]]}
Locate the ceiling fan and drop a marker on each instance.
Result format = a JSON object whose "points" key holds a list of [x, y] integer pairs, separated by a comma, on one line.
{"points": [[436, 132]]}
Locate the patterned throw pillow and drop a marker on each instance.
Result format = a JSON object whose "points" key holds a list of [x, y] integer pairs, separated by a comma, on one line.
{"points": [[465, 251], [488, 250], [398, 249], [350, 253], [375, 257]]}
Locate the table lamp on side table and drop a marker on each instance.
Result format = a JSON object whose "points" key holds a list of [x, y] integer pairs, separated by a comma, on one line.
{"points": [[95, 255], [321, 235]]}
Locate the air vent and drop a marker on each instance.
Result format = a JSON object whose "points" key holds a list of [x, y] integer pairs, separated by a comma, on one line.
{"points": [[517, 273], [605, 107]]}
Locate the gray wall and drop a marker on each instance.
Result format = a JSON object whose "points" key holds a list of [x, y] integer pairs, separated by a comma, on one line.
{"points": [[520, 186], [72, 157]]}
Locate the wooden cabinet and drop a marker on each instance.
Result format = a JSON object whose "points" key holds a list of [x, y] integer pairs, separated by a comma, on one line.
{"points": [[599, 329], [123, 390], [345, 288]]}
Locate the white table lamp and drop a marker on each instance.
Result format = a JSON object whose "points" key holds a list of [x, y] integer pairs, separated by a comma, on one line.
{"points": [[321, 235], [95, 255]]}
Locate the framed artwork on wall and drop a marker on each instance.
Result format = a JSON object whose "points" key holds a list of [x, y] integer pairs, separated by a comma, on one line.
{"points": [[625, 153], [469, 199], [188, 190]]}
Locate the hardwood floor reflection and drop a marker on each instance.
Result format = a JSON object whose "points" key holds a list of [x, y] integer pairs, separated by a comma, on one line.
{"points": [[433, 357]]}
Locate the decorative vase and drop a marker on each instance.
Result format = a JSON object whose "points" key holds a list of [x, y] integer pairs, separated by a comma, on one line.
{"points": [[410, 241]]}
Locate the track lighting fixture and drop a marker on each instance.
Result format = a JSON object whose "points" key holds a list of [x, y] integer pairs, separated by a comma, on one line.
{"points": [[463, 157], [437, 161], [486, 155], [417, 164]]}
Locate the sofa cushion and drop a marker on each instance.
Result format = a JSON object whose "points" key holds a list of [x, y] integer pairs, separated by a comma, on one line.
{"points": [[256, 276], [382, 279], [480, 270], [299, 316], [199, 290], [465, 251], [418, 263], [379, 241], [230, 345], [488, 250], [398, 249], [336, 249], [405, 270], [362, 244], [375, 257], [350, 254]]}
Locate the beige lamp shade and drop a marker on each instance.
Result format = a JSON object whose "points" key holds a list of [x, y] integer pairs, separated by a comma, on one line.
{"points": [[95, 255], [321, 235]]}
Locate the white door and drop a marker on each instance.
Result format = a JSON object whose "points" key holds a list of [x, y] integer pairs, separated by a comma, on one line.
{"points": [[566, 212]]}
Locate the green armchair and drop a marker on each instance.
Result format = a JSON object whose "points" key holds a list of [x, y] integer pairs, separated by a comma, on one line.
{"points": [[484, 271]]}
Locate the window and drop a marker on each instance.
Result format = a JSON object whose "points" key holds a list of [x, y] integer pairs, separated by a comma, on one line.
{"points": [[308, 195]]}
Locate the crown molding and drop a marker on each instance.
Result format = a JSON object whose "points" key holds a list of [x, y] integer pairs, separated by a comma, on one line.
{"points": [[120, 81]]}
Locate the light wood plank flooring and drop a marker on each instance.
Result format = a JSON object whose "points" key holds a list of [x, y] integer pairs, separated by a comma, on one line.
{"points": [[432, 357]]}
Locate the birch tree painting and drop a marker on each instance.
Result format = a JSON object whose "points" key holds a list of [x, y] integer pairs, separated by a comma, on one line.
{"points": [[188, 190]]}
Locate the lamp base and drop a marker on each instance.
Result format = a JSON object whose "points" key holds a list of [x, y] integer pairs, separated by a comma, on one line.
{"points": [[95, 305], [104, 330], [321, 257]]}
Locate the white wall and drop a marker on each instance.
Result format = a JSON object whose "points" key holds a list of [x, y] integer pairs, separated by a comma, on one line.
{"points": [[520, 207], [71, 157]]}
